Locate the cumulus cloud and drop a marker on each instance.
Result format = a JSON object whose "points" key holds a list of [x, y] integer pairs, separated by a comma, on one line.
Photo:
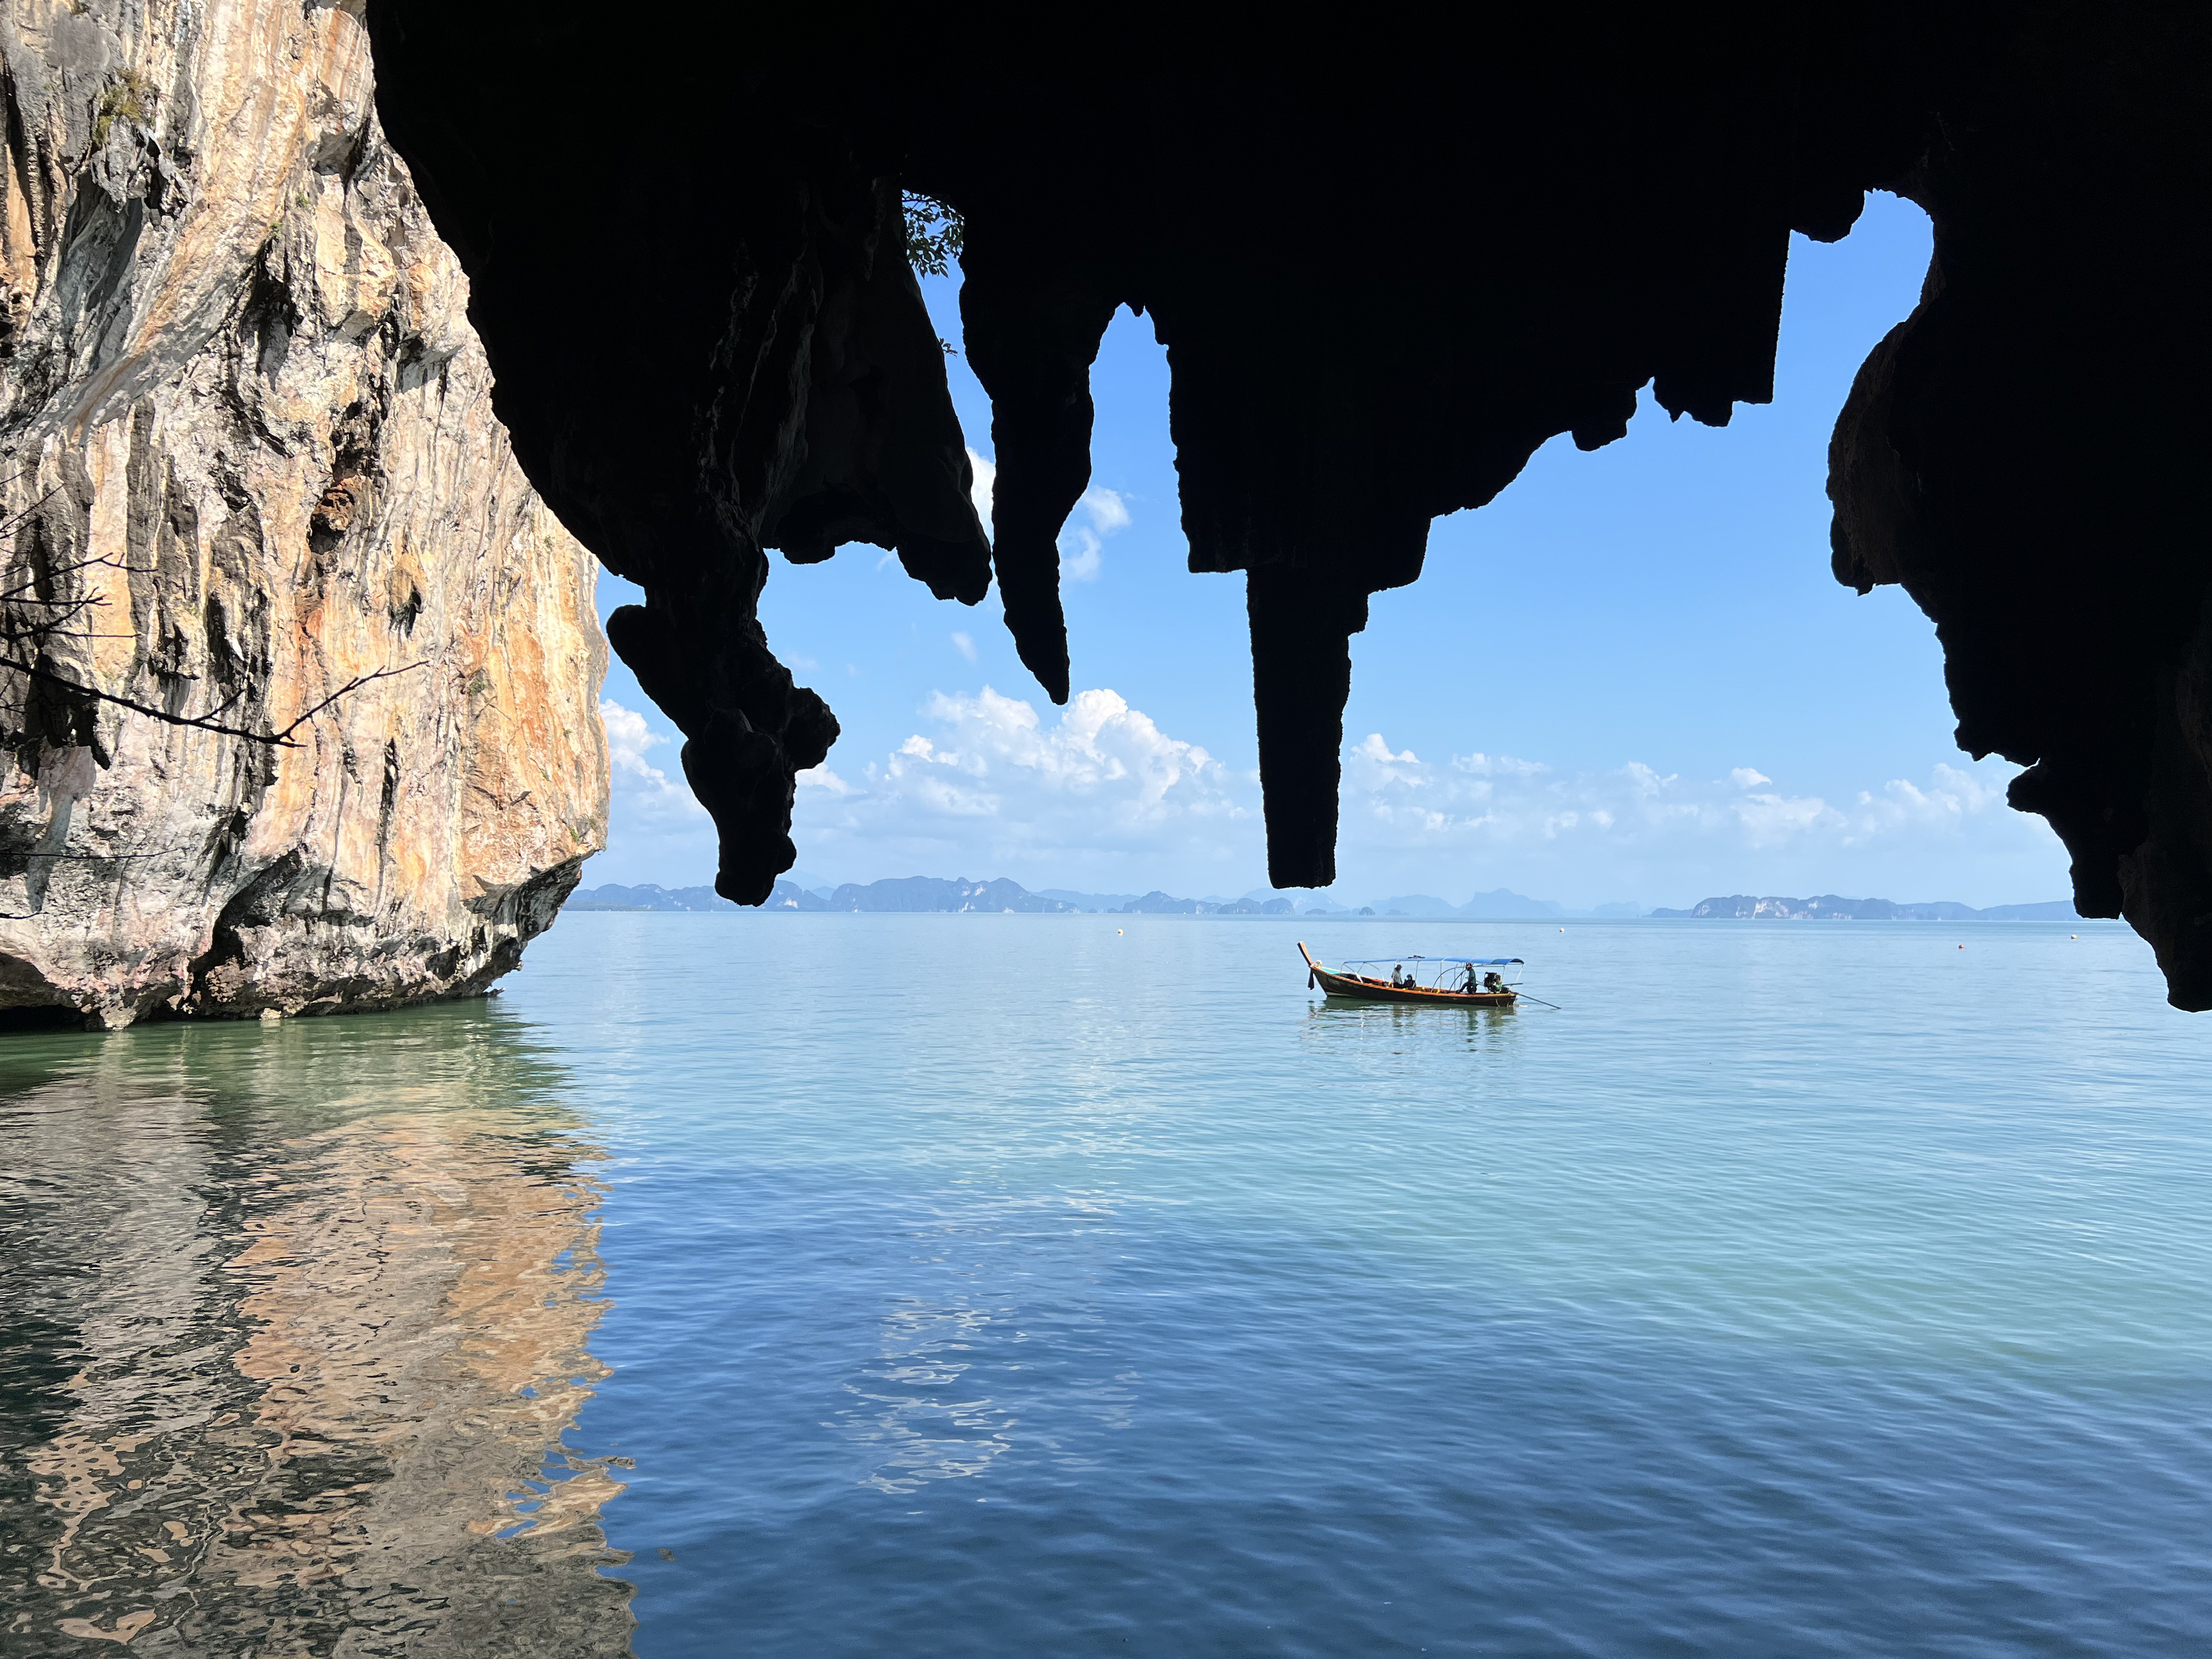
{"points": [[1770, 820], [1373, 766], [1483, 766], [1082, 546], [628, 737], [1105, 508], [1952, 795], [988, 787], [821, 777], [1098, 797], [1099, 512], [644, 795], [1497, 800], [979, 492]]}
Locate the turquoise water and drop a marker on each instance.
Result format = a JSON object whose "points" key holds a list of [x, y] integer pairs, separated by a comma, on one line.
{"points": [[1008, 1285]]}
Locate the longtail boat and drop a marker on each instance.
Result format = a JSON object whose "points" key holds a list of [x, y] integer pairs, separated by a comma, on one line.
{"points": [[1489, 989]]}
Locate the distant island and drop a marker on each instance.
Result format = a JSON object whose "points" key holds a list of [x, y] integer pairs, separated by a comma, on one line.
{"points": [[935, 896], [1826, 906], [927, 893], [1001, 897]]}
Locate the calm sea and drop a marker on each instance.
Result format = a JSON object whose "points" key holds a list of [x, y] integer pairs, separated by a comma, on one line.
{"points": [[825, 1285]]}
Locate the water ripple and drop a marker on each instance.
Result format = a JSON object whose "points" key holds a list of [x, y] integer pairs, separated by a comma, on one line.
{"points": [[967, 1285]]}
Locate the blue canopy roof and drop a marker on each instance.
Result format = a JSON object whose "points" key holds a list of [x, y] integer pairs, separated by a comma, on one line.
{"points": [[1472, 962]]}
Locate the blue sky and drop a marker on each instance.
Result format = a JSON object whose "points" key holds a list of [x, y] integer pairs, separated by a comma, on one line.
{"points": [[1630, 677]]}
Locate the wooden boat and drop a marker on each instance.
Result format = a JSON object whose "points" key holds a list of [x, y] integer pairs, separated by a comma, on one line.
{"points": [[1371, 988]]}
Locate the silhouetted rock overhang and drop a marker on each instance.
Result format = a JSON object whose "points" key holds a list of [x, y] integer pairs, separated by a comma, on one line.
{"points": [[1386, 270]]}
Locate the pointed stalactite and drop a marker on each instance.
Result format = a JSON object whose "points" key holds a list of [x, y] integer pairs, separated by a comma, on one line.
{"points": [[1302, 622], [1031, 340]]}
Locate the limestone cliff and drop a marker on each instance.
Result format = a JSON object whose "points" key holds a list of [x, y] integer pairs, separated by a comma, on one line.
{"points": [[248, 451]]}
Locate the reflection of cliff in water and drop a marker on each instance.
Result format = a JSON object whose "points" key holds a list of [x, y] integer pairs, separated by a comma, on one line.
{"points": [[293, 1323]]}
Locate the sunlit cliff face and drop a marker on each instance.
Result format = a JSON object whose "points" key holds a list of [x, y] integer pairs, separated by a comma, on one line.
{"points": [[336, 1347], [250, 476]]}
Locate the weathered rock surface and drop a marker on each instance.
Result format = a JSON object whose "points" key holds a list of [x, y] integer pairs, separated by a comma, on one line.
{"points": [[2021, 453], [247, 441]]}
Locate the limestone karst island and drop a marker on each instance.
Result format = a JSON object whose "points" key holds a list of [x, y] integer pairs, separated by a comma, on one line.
{"points": [[770, 780], [251, 459]]}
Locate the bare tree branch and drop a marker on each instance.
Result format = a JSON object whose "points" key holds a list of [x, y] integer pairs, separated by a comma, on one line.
{"points": [[353, 684], [207, 722], [16, 594], [31, 634], [8, 524]]}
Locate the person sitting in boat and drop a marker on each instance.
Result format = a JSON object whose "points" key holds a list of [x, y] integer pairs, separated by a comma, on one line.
{"points": [[1494, 984], [1470, 987], [1398, 976]]}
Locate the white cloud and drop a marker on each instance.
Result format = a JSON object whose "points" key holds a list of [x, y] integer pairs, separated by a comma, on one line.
{"points": [[821, 777], [1098, 797], [989, 788], [964, 643], [1081, 562], [1497, 800], [1952, 795], [1108, 512], [1483, 766], [1770, 820], [643, 794], [1479, 820], [1082, 546], [1371, 765], [980, 491], [628, 739]]}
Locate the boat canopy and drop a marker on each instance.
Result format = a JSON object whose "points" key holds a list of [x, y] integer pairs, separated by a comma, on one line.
{"points": [[1470, 962]]}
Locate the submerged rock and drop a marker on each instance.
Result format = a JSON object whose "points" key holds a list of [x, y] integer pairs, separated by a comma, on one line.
{"points": [[249, 458]]}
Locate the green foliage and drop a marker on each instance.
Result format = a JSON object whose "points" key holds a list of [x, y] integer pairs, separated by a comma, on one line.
{"points": [[128, 97], [935, 234]]}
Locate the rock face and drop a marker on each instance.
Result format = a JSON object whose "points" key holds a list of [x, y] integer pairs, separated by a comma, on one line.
{"points": [[247, 446], [1388, 265], [2020, 452]]}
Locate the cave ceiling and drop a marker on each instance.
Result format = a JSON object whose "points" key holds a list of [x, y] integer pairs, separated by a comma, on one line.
{"points": [[1388, 258]]}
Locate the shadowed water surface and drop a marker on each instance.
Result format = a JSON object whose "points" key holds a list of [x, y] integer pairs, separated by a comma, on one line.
{"points": [[1006, 1286]]}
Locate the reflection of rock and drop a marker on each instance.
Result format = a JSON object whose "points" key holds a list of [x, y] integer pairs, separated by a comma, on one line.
{"points": [[237, 378], [314, 1400]]}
